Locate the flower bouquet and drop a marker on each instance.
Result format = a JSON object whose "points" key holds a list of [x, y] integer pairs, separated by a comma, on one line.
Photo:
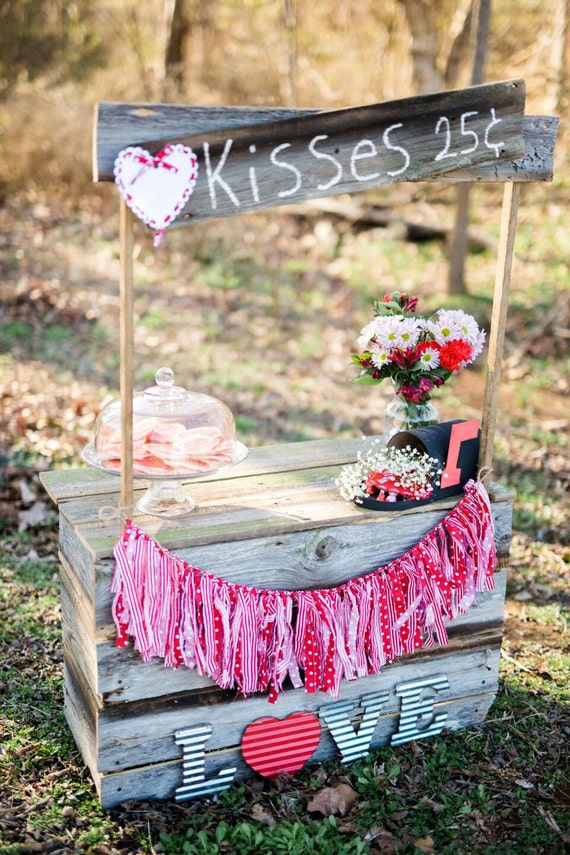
{"points": [[398, 477], [418, 354]]}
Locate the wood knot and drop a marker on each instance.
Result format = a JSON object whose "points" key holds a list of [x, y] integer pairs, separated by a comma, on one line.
{"points": [[325, 548]]}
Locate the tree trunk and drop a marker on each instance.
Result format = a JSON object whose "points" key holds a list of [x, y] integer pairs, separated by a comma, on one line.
{"points": [[557, 90], [457, 249], [188, 43], [458, 43], [420, 15], [176, 48]]}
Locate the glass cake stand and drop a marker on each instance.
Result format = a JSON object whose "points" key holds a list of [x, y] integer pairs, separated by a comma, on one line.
{"points": [[165, 496], [177, 436]]}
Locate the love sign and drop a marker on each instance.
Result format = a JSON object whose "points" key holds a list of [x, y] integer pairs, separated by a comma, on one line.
{"points": [[271, 746], [156, 187]]}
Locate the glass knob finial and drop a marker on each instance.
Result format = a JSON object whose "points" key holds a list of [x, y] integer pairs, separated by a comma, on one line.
{"points": [[164, 378]]}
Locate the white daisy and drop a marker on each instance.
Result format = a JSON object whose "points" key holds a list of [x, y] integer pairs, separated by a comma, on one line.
{"points": [[477, 344], [429, 359], [397, 332], [367, 335], [454, 323], [380, 355]]}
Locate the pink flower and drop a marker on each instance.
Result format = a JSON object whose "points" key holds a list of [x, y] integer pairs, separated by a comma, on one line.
{"points": [[425, 384], [408, 304], [411, 393]]}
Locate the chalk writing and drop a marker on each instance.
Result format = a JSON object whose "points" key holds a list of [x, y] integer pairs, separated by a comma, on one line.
{"points": [[322, 164]]}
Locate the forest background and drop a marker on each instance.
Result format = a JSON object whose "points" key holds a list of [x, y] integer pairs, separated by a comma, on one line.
{"points": [[264, 311]]}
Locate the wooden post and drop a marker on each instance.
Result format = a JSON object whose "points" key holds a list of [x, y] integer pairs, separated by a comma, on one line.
{"points": [[498, 326], [127, 357]]}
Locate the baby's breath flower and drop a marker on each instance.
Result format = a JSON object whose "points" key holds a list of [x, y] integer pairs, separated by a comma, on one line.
{"points": [[409, 471]]}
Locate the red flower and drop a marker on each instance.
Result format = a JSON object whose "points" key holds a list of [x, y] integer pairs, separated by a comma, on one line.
{"points": [[404, 358], [422, 346], [454, 354], [411, 393], [425, 384], [407, 304]]}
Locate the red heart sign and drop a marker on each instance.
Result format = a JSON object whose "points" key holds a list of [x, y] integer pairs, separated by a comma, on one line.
{"points": [[273, 745]]}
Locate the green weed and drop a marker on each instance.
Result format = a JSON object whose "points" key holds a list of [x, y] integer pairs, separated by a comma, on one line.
{"points": [[248, 838]]}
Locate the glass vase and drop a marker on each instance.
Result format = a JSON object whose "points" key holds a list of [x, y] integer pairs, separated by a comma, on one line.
{"points": [[405, 415]]}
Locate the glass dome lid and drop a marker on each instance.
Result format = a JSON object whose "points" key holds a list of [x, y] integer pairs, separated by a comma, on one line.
{"points": [[176, 433]]}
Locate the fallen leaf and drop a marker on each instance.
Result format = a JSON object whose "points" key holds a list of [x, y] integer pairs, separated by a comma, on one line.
{"points": [[424, 844], [37, 515], [333, 800], [526, 785], [384, 841], [261, 815], [27, 495]]}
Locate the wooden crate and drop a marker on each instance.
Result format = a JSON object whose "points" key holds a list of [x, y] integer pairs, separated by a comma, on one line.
{"points": [[274, 521]]}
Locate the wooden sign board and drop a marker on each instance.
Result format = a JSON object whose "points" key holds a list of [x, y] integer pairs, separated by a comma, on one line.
{"points": [[270, 162]]}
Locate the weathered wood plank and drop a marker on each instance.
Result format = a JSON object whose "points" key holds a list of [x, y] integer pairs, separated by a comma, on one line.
{"points": [[122, 676], [79, 556], [118, 125], [117, 130], [77, 483], [160, 780], [288, 553], [259, 506], [341, 151], [78, 634], [125, 742], [536, 164], [81, 718]]}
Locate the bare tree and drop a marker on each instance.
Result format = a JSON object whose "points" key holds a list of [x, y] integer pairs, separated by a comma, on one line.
{"points": [[189, 23], [179, 35], [557, 90], [291, 25], [468, 35], [457, 248], [421, 16]]}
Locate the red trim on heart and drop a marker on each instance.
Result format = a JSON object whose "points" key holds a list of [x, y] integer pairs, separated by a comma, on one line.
{"points": [[272, 745]]}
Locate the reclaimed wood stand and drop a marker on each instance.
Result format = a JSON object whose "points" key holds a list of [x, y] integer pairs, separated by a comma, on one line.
{"points": [[277, 520]]}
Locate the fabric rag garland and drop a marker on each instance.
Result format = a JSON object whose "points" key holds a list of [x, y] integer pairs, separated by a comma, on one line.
{"points": [[254, 639]]}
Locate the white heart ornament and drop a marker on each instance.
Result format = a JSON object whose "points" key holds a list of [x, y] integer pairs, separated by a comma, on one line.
{"points": [[156, 187]]}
